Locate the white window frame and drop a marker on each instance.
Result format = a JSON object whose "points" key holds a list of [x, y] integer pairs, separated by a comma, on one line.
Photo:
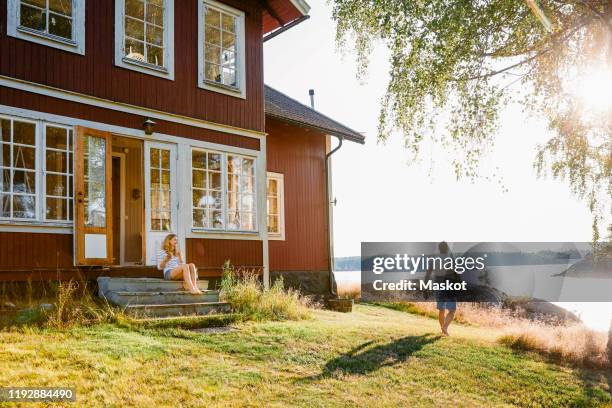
{"points": [[280, 180], [240, 91], [167, 71], [44, 172], [40, 175], [224, 192], [76, 45]]}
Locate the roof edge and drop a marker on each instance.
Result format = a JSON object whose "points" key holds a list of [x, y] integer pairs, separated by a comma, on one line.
{"points": [[342, 135], [301, 5]]}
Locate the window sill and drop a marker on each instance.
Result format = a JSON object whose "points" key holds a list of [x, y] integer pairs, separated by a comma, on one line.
{"points": [[36, 227], [224, 89], [51, 37], [145, 68]]}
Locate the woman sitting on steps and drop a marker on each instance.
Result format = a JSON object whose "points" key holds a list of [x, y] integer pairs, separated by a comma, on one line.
{"points": [[170, 260]]}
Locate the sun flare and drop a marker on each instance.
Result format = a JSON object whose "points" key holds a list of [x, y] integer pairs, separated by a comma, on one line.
{"points": [[594, 89]]}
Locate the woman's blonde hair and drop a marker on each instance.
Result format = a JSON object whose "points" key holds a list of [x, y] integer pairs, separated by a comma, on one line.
{"points": [[166, 245]]}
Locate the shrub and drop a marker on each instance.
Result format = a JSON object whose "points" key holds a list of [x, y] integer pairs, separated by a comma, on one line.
{"points": [[247, 297]]}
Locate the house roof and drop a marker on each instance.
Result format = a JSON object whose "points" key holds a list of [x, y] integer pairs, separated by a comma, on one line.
{"points": [[282, 107], [278, 13]]}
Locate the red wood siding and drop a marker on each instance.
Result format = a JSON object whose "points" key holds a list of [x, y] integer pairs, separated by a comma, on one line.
{"points": [[23, 250], [39, 103], [95, 73], [210, 254], [299, 154]]}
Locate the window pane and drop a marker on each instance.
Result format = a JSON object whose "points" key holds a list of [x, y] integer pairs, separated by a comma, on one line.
{"points": [[154, 157], [165, 179], [229, 41], [155, 14], [95, 181], [24, 181], [33, 18], [56, 161], [228, 59], [232, 183], [155, 55], [234, 164], [134, 50], [60, 26], [199, 198], [5, 156], [56, 209], [155, 200], [212, 35], [164, 221], [273, 224], [5, 130], [165, 199], [5, 205], [57, 185], [272, 205], [5, 180], [155, 35], [24, 157], [198, 178], [198, 159], [214, 161], [61, 6], [56, 137], [24, 206], [272, 187], [214, 181], [212, 72], [134, 8], [212, 17], [165, 159], [37, 3], [134, 28], [24, 133], [228, 23], [200, 219], [247, 203], [212, 53], [229, 77], [155, 179], [217, 219]]}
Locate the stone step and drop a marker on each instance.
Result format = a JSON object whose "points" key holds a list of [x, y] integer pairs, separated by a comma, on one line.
{"points": [[109, 284], [178, 309], [123, 298]]}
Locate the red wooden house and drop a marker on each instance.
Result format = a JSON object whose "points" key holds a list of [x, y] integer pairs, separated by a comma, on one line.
{"points": [[124, 120]]}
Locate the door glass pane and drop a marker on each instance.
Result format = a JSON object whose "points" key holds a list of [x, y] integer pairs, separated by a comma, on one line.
{"points": [[94, 171], [160, 189]]}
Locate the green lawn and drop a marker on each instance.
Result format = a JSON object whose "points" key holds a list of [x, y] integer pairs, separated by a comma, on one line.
{"points": [[371, 357]]}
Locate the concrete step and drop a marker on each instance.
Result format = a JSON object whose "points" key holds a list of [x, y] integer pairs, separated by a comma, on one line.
{"points": [[108, 284], [123, 298], [178, 309]]}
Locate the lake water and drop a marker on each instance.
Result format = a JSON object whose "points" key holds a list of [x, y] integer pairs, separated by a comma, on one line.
{"points": [[596, 315]]}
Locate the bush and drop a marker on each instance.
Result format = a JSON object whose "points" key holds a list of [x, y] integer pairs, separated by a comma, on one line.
{"points": [[247, 297]]}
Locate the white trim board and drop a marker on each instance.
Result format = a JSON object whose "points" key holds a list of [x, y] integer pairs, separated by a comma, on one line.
{"points": [[124, 107]]}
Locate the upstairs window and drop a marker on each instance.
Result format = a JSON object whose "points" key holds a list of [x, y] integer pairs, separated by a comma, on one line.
{"points": [[144, 36], [56, 23], [221, 48]]}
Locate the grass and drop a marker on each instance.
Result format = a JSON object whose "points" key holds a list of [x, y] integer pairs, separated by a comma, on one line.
{"points": [[371, 357]]}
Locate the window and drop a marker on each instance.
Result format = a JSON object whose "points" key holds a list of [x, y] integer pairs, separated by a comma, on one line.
{"points": [[276, 206], [221, 48], [159, 163], [58, 173], [56, 23], [144, 36], [223, 191], [18, 164], [31, 175]]}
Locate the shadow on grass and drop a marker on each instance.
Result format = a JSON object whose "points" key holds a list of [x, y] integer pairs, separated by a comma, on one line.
{"points": [[364, 359]]}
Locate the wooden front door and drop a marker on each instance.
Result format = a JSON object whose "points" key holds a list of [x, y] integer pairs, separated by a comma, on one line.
{"points": [[93, 205]]}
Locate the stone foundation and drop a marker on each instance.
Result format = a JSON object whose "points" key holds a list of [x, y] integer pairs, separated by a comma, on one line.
{"points": [[308, 282]]}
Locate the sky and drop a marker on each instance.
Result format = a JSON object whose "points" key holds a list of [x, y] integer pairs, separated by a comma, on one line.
{"points": [[381, 195]]}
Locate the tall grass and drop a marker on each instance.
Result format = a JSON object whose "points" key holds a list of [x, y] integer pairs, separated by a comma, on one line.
{"points": [[247, 297], [572, 342], [67, 304]]}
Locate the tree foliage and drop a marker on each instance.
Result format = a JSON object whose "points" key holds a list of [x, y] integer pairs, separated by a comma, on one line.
{"points": [[457, 62]]}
